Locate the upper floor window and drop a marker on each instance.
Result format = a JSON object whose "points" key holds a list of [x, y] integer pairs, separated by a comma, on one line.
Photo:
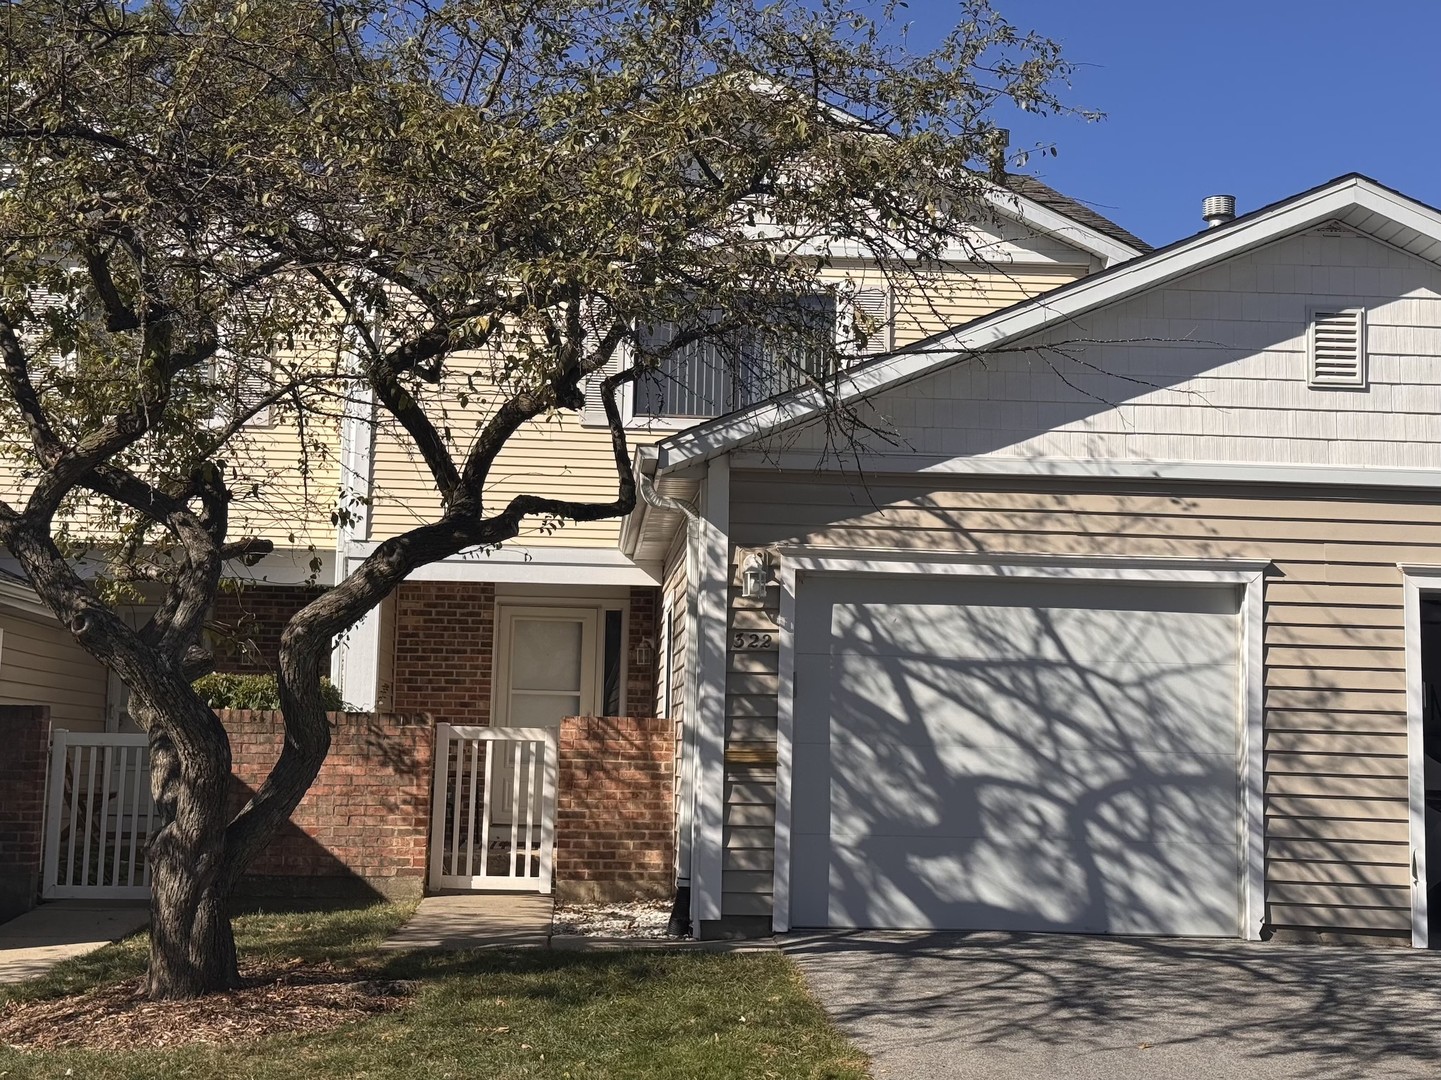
{"points": [[724, 372]]}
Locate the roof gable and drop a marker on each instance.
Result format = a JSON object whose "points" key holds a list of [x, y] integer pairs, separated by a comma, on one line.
{"points": [[1357, 201]]}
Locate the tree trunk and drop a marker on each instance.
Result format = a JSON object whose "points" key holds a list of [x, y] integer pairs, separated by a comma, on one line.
{"points": [[192, 946]]}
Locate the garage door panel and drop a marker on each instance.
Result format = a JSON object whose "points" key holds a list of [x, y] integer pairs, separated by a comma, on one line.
{"points": [[1121, 705], [1022, 620], [1024, 635], [1016, 755], [1038, 885], [961, 792]]}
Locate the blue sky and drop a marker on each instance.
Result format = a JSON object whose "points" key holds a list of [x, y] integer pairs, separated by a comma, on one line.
{"points": [[1259, 99]]}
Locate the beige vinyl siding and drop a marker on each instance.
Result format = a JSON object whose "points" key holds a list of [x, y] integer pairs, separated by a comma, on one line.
{"points": [[1335, 722], [40, 664], [560, 458], [284, 490]]}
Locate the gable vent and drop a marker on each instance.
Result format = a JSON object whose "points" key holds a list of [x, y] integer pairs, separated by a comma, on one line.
{"points": [[1337, 348]]}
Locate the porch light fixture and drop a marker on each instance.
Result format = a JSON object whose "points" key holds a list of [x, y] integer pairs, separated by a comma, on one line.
{"points": [[755, 576], [644, 653]]}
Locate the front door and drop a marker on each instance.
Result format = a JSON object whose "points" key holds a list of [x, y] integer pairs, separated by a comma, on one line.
{"points": [[546, 667], [546, 664]]}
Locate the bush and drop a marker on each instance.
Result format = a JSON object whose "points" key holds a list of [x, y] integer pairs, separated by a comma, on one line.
{"points": [[258, 692]]}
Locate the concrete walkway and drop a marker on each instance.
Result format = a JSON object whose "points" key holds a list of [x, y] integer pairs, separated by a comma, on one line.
{"points": [[990, 1006], [35, 942], [477, 921]]}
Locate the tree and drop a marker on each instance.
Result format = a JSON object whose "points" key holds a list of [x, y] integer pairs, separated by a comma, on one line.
{"points": [[474, 212]]}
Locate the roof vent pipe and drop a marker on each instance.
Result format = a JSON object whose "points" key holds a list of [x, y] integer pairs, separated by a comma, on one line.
{"points": [[1218, 209]]}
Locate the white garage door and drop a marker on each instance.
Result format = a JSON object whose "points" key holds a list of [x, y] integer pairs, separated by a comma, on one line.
{"points": [[1016, 755]]}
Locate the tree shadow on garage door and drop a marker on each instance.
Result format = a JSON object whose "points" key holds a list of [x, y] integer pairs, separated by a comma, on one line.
{"points": [[1018, 755], [1128, 1005]]}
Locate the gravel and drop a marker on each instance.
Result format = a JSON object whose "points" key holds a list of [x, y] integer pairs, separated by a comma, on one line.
{"points": [[637, 919]]}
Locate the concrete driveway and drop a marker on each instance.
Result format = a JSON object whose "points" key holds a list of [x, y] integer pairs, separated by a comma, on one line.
{"points": [[1003, 1006]]}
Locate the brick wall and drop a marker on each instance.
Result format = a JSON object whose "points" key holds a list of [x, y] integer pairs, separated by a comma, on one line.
{"points": [[444, 637], [25, 734], [614, 829], [640, 681], [249, 623], [361, 828]]}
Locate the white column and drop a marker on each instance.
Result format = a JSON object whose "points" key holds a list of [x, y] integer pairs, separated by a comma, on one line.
{"points": [[712, 583], [355, 664]]}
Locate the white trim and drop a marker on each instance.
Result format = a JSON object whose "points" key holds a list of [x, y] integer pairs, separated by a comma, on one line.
{"points": [[785, 755], [1054, 223], [1082, 469], [1247, 573], [355, 662], [1417, 579], [548, 565], [1019, 320], [23, 600], [709, 708]]}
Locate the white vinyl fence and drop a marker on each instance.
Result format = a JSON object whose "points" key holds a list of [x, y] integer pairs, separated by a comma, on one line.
{"points": [[493, 808], [98, 817]]}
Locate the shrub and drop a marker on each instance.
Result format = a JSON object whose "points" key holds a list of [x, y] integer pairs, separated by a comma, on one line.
{"points": [[223, 690]]}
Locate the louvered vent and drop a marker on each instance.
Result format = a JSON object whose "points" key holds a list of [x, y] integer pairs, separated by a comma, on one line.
{"points": [[1338, 348]]}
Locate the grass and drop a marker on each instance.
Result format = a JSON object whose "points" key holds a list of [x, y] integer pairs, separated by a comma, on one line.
{"points": [[531, 1014]]}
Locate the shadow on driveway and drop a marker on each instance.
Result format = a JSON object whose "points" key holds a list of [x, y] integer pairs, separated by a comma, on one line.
{"points": [[994, 1006]]}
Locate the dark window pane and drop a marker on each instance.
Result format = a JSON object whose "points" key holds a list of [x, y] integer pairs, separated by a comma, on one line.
{"points": [[613, 656]]}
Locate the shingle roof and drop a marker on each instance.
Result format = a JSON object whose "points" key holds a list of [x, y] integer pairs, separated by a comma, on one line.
{"points": [[1031, 188]]}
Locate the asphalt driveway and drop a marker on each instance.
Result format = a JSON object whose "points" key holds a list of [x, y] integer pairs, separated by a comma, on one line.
{"points": [[1002, 1006]]}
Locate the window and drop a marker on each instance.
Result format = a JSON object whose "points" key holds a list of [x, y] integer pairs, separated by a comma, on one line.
{"points": [[720, 374], [1336, 348]]}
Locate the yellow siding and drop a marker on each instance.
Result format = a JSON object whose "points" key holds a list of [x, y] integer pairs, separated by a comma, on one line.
{"points": [[1335, 720], [40, 664], [558, 457]]}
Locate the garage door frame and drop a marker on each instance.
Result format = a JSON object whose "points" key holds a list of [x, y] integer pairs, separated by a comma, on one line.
{"points": [[796, 563]]}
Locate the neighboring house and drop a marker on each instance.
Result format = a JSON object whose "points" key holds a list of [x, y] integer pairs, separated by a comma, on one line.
{"points": [[1134, 634]]}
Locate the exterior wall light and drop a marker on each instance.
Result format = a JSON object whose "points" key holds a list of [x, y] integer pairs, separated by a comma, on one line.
{"points": [[755, 576], [644, 653]]}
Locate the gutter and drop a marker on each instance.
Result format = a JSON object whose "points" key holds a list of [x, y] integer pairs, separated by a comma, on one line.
{"points": [[681, 924]]}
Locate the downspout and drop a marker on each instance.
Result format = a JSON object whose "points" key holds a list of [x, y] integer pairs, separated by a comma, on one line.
{"points": [[680, 918]]}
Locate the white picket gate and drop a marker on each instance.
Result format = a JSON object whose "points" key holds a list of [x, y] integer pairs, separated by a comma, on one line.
{"points": [[98, 816], [493, 808]]}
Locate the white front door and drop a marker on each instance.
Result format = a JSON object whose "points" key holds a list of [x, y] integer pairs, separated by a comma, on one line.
{"points": [[546, 666]]}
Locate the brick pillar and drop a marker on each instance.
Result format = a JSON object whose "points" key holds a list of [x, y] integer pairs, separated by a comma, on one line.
{"points": [[640, 694], [25, 734], [444, 638], [614, 819]]}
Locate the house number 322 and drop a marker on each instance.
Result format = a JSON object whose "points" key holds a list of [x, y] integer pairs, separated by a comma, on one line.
{"points": [[744, 639]]}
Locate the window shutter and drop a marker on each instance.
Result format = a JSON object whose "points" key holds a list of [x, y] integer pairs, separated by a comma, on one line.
{"points": [[42, 301], [870, 315], [1337, 348], [246, 380], [252, 387], [597, 316]]}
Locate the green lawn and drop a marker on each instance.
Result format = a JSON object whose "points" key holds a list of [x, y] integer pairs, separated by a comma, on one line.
{"points": [[500, 1015]]}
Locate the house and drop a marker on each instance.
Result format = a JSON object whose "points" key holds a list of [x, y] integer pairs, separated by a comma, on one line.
{"points": [[1135, 631], [610, 614], [609, 607]]}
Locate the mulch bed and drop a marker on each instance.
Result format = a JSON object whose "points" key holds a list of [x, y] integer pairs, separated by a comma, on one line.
{"points": [[275, 999]]}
